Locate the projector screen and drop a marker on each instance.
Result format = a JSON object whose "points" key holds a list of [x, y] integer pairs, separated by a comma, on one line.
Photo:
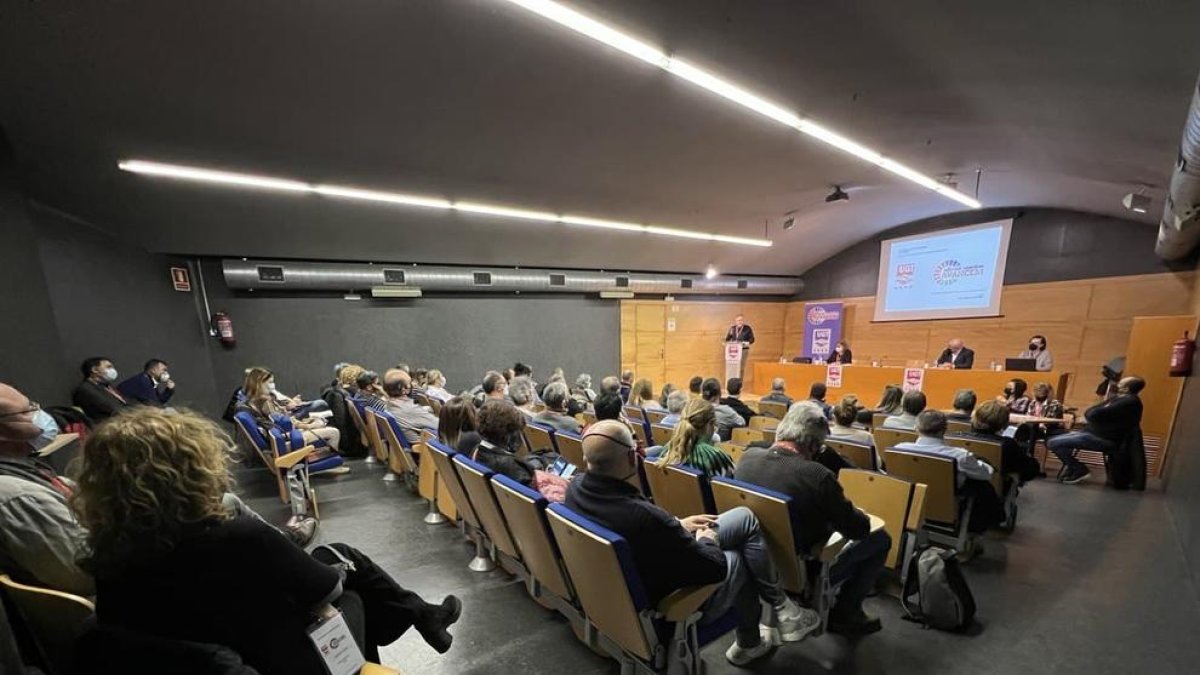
{"points": [[951, 274]]}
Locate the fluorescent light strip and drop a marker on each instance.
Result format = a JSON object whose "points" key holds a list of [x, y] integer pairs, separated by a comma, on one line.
{"points": [[610, 36], [341, 192]]}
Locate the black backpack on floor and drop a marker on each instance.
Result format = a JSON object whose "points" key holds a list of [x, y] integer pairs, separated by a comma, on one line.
{"points": [[943, 599]]}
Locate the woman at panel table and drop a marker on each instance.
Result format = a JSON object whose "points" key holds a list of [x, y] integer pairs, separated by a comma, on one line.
{"points": [[841, 353], [1038, 351]]}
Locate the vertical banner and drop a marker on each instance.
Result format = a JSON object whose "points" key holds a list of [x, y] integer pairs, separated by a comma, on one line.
{"points": [[833, 376], [914, 378], [733, 359], [822, 329]]}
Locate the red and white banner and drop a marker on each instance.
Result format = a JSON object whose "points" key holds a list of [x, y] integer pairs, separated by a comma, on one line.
{"points": [[913, 379], [833, 375]]}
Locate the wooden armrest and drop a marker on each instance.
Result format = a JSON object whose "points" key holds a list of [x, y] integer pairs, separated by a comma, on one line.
{"points": [[294, 457], [681, 604], [376, 669], [833, 546], [60, 441]]}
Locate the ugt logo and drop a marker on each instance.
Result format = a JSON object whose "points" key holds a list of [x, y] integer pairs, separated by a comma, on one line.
{"points": [[904, 274]]}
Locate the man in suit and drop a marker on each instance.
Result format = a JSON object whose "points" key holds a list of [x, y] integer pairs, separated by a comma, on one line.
{"points": [[743, 333], [956, 356], [96, 394], [153, 386]]}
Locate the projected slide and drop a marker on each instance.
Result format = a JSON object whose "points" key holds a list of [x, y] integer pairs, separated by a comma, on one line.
{"points": [[943, 275]]}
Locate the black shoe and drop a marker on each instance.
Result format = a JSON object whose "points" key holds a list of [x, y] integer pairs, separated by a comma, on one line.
{"points": [[301, 530], [1073, 476], [860, 623], [434, 629]]}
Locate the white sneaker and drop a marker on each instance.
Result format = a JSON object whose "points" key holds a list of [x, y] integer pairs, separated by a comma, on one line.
{"points": [[796, 622], [741, 656]]}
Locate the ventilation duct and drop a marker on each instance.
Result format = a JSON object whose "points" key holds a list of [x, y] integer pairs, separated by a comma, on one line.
{"points": [[261, 275], [1179, 230]]}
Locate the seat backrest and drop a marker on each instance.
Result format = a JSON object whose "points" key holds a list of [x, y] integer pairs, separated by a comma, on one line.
{"points": [[600, 564], [539, 437], [679, 490], [989, 451], [733, 450], [374, 438], [400, 459], [634, 412], [877, 420], [660, 434], [887, 438], [885, 496], [250, 430], [570, 446], [939, 474], [744, 436], [477, 481], [772, 409], [54, 619], [589, 417], [638, 429], [958, 427], [356, 414], [443, 459], [774, 520], [763, 423], [655, 416], [524, 510], [860, 456]]}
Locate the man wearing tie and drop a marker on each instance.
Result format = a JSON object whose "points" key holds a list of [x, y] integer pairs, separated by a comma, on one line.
{"points": [[740, 332], [956, 356]]}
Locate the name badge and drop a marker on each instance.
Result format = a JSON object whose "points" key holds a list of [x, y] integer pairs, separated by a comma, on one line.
{"points": [[336, 646]]}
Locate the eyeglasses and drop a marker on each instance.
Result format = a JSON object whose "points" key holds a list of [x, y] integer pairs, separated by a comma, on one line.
{"points": [[33, 407]]}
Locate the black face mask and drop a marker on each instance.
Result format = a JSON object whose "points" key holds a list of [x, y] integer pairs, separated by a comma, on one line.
{"points": [[1033, 346], [1041, 398], [1008, 391]]}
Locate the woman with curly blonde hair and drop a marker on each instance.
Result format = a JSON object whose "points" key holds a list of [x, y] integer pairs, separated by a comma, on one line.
{"points": [[171, 560], [691, 444]]}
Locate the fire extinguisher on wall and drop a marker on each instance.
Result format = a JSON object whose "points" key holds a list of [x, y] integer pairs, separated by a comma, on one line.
{"points": [[222, 327], [1182, 353]]}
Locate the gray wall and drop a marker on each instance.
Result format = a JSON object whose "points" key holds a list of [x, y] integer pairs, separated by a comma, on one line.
{"points": [[301, 337], [1183, 486], [1046, 245]]}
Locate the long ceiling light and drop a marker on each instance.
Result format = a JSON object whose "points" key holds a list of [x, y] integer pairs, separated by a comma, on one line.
{"points": [[342, 192], [600, 32]]}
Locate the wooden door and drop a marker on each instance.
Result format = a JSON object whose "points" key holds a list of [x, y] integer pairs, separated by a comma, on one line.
{"points": [[651, 334]]}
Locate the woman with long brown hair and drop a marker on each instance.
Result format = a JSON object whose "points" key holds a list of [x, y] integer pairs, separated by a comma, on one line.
{"points": [[260, 401], [691, 444], [457, 423], [170, 558]]}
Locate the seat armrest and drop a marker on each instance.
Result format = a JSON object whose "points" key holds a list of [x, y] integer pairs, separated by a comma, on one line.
{"points": [[681, 604], [833, 546], [292, 458]]}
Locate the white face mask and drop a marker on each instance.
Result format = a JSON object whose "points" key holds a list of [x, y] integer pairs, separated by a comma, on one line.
{"points": [[49, 427], [165, 377], [109, 375], [271, 387]]}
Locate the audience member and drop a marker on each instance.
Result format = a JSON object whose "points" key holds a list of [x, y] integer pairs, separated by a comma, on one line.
{"points": [[734, 388], [891, 403], [641, 394], [495, 386], [458, 424], [727, 418], [1039, 352], [420, 380], [964, 405], [1014, 396], [170, 558], [988, 423], [583, 388], [660, 404], [974, 475], [96, 394], [956, 356], [436, 387], [778, 393], [555, 415], [404, 367], [690, 444], [609, 406], [845, 413], [612, 385], [520, 390], [672, 553], [820, 508], [153, 386], [1046, 406], [508, 374], [626, 384], [338, 396], [676, 401], [501, 432], [268, 412], [1109, 423], [412, 418], [911, 404], [370, 392], [816, 394], [694, 386], [841, 353]]}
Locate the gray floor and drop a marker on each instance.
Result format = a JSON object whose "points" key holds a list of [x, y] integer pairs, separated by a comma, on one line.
{"points": [[1092, 581]]}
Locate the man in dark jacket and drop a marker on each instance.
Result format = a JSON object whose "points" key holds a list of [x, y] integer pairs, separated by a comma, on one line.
{"points": [[734, 388], [673, 553], [1108, 424], [820, 508], [153, 386], [95, 394]]}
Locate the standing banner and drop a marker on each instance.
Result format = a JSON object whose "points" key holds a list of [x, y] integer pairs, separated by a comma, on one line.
{"points": [[822, 329], [733, 359], [833, 375], [913, 379]]}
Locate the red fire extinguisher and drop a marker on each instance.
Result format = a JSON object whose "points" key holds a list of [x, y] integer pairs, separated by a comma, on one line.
{"points": [[1182, 353], [222, 327]]}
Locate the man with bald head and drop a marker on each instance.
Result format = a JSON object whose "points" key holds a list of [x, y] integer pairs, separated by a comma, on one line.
{"points": [[413, 418], [39, 536], [956, 355], [673, 553]]}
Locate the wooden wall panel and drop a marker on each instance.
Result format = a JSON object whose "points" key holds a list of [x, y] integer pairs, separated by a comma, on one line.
{"points": [[1149, 358]]}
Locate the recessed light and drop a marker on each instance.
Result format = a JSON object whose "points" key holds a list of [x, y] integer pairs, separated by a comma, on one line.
{"points": [[711, 272]]}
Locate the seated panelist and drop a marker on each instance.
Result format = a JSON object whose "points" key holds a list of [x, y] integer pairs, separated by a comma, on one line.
{"points": [[956, 355]]}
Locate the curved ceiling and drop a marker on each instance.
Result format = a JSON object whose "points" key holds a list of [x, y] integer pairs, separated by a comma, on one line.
{"points": [[1062, 104]]}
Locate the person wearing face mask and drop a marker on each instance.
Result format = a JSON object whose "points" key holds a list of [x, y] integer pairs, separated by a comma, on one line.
{"points": [[1014, 396], [500, 427], [841, 353], [1109, 424], [96, 395], [153, 386], [1038, 351], [39, 537]]}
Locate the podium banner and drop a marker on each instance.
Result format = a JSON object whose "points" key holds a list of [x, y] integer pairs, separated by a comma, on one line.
{"points": [[833, 375], [914, 379], [822, 329], [733, 360]]}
